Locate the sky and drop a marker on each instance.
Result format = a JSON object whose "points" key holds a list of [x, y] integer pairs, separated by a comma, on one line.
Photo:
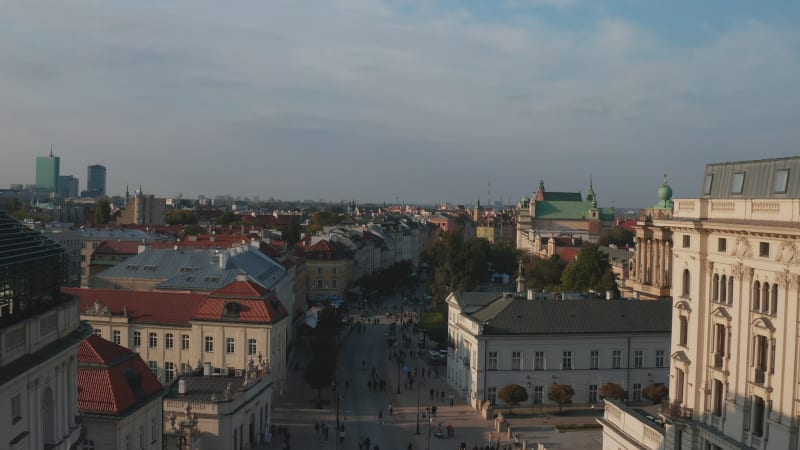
{"points": [[378, 100]]}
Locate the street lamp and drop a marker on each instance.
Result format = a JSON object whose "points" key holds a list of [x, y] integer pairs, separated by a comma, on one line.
{"points": [[399, 366], [418, 383]]}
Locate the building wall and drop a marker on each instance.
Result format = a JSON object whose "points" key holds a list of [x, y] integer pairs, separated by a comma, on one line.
{"points": [[729, 390], [328, 277], [46, 393], [270, 343], [140, 429]]}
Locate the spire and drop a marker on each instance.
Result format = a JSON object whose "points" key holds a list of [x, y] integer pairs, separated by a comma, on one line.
{"points": [[666, 180], [520, 278], [590, 195], [51, 150]]}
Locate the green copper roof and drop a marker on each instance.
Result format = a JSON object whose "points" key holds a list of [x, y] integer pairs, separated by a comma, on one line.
{"points": [[563, 196], [569, 210]]}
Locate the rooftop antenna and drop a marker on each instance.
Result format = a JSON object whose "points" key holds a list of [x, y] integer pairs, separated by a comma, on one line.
{"points": [[51, 150], [489, 203]]}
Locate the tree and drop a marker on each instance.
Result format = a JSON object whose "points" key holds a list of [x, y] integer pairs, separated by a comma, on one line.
{"points": [[458, 265], [655, 392], [102, 211], [613, 391], [544, 273], [180, 217], [616, 235], [561, 393], [324, 352], [591, 270], [321, 219], [513, 394]]}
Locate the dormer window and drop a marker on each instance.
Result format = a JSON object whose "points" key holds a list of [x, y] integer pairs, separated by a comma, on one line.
{"points": [[737, 187]]}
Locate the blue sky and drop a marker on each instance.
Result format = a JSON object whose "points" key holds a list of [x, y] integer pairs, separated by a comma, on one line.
{"points": [[423, 100]]}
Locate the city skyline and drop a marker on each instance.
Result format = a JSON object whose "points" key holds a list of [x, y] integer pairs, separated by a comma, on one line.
{"points": [[421, 101]]}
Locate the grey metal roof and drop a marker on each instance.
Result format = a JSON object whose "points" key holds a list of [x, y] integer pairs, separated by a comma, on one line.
{"points": [[114, 234], [473, 301], [200, 388], [759, 178], [506, 316], [198, 269]]}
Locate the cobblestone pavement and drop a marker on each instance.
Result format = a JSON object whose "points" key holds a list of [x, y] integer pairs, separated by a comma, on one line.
{"points": [[359, 406]]}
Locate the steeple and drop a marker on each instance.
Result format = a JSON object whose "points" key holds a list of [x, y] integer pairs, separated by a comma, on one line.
{"points": [[590, 195], [51, 150]]}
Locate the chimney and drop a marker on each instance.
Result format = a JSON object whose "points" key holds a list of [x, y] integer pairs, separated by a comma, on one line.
{"points": [[207, 369], [141, 249], [181, 386]]}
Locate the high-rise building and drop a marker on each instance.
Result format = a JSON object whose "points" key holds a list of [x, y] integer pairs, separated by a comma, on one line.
{"points": [[67, 186], [40, 331], [96, 181], [47, 172]]}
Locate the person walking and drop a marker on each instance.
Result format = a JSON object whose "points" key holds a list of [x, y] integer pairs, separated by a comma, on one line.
{"points": [[380, 416], [390, 409], [451, 399]]}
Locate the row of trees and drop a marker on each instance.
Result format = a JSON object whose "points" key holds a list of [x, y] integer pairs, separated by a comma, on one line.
{"points": [[395, 277], [321, 371], [514, 394]]}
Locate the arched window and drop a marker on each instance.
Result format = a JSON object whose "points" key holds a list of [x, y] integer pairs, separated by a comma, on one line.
{"points": [[773, 307], [730, 290], [687, 278], [765, 298], [723, 288], [756, 296], [683, 336], [715, 288]]}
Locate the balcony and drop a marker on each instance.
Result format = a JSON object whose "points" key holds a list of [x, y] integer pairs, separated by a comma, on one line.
{"points": [[675, 411]]}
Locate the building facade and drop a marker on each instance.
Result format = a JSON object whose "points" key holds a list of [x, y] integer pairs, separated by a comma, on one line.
{"points": [[40, 333], [119, 397], [96, 180], [736, 284], [47, 172], [498, 339]]}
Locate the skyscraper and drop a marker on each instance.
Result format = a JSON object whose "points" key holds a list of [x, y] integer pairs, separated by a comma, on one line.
{"points": [[67, 186], [96, 181], [47, 171]]}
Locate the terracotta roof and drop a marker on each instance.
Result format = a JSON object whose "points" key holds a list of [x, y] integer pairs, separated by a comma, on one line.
{"points": [[259, 311], [568, 254], [112, 379], [241, 288], [118, 248], [141, 306]]}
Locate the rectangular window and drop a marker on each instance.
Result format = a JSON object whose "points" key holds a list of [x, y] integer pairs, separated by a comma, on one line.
{"points": [[781, 181], [153, 430], [116, 336], [763, 249], [185, 342], [168, 340], [722, 245], [594, 359], [516, 360], [683, 331], [737, 187], [209, 344], [169, 371], [492, 364], [185, 368], [333, 270], [153, 366], [319, 270], [230, 345], [16, 408], [98, 332], [152, 340], [687, 241], [592, 393], [491, 394], [538, 395], [538, 361], [616, 359], [137, 338], [660, 358], [709, 181], [251, 347], [637, 392], [566, 360], [333, 284], [141, 436], [638, 359]]}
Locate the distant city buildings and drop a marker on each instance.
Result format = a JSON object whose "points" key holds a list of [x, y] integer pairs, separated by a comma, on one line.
{"points": [[67, 186], [96, 181], [47, 173]]}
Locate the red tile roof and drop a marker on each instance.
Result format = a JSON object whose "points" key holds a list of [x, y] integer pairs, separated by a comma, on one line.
{"points": [[142, 306], [258, 311], [112, 379], [241, 288]]}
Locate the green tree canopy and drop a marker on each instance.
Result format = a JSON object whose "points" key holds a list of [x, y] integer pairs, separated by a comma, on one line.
{"points": [[591, 270], [324, 352], [321, 219], [613, 391], [544, 273], [181, 217], [458, 265], [655, 392], [561, 394], [513, 394], [616, 235], [102, 211]]}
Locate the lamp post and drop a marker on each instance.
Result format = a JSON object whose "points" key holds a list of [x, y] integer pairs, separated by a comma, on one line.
{"points": [[418, 383], [399, 366], [430, 424]]}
